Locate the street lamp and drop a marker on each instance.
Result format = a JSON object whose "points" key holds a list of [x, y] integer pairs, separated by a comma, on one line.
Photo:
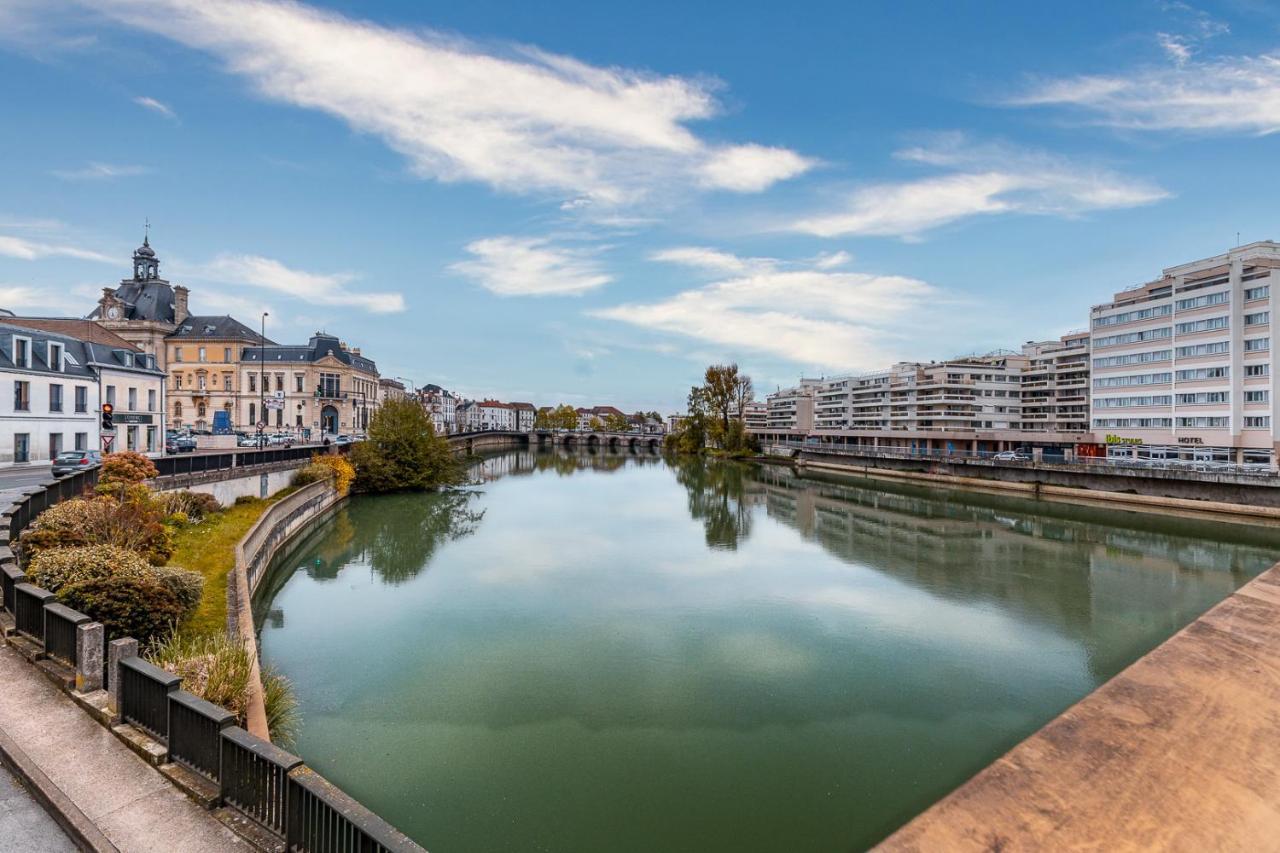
{"points": [[262, 378]]}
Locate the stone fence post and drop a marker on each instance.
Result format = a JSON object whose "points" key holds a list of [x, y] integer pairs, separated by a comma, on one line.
{"points": [[89, 649], [116, 652]]}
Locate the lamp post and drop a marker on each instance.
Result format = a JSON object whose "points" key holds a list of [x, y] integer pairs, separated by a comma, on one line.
{"points": [[262, 379]]}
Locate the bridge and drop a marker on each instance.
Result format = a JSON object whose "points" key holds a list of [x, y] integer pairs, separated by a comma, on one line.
{"points": [[471, 442]]}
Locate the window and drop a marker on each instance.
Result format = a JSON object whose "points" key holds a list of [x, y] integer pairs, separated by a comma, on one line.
{"points": [[1203, 325], [226, 354], [82, 441], [1257, 370], [279, 381], [177, 409], [22, 447], [111, 394], [177, 353], [1130, 316], [22, 352], [22, 396], [1257, 396], [1202, 398], [1132, 337], [151, 439], [55, 444], [1257, 292], [200, 380], [200, 410], [151, 399], [1215, 348], [1259, 319], [82, 399], [253, 413], [1205, 422], [1201, 301], [200, 354], [55, 356], [55, 398], [1132, 423], [1126, 402], [1257, 344], [253, 384], [1257, 422], [1134, 358], [298, 379], [279, 417], [1203, 373], [1136, 379], [131, 438], [133, 400]]}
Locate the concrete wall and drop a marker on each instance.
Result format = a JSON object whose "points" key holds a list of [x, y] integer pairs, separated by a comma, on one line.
{"points": [[259, 484]]}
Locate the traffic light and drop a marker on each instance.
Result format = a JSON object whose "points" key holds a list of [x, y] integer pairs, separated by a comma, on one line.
{"points": [[108, 416]]}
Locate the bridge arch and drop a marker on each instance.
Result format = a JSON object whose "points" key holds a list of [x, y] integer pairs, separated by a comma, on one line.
{"points": [[593, 440], [570, 439]]}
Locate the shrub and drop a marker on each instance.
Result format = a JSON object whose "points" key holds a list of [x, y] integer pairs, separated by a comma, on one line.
{"points": [[177, 519], [195, 505], [187, 586], [403, 452], [124, 468], [215, 667], [247, 499], [126, 606], [281, 706], [342, 471], [130, 520], [59, 567], [313, 473]]}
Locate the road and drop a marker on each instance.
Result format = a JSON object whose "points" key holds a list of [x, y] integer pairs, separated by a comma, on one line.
{"points": [[18, 478], [24, 825]]}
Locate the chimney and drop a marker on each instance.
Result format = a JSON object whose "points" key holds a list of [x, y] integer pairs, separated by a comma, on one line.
{"points": [[180, 312]]}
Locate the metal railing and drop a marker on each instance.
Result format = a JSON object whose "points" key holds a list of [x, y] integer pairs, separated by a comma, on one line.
{"points": [[144, 696], [199, 463], [36, 501], [28, 610], [195, 733], [324, 819], [60, 624], [255, 777], [10, 577]]}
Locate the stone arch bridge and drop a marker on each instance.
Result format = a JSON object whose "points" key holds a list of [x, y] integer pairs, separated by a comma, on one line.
{"points": [[471, 442]]}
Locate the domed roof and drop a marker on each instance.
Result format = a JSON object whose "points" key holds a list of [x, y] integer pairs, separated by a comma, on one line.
{"points": [[145, 249]]}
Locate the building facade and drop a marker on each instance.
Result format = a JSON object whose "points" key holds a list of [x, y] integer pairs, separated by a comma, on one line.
{"points": [[319, 388], [1181, 366], [441, 406], [791, 410]]}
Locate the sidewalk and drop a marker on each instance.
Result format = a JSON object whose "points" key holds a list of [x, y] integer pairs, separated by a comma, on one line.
{"points": [[135, 807], [24, 825]]}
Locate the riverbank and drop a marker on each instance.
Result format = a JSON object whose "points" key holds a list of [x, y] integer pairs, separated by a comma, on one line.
{"points": [[1181, 751]]}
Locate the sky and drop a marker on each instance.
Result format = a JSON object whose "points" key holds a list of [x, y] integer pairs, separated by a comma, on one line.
{"points": [[588, 202]]}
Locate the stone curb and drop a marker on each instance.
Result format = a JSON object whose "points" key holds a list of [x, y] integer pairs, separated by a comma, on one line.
{"points": [[82, 831]]}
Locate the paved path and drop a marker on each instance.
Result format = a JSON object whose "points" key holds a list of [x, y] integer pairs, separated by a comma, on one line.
{"points": [[130, 802], [24, 824], [1181, 751]]}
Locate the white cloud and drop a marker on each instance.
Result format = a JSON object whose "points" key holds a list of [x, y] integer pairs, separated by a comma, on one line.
{"points": [[314, 288], [518, 119], [31, 250], [155, 106], [19, 298], [701, 258], [100, 172], [831, 260], [1225, 95], [985, 179], [836, 320], [531, 266], [1178, 48]]}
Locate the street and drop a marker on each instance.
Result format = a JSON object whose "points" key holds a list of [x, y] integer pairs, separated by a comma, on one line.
{"points": [[17, 478]]}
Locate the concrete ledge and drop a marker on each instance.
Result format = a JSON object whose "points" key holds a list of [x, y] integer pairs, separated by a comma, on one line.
{"points": [[202, 790], [95, 703], [63, 676], [251, 832], [82, 831], [27, 647], [152, 751], [1181, 751]]}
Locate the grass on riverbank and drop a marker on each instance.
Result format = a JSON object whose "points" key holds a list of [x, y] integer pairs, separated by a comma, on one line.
{"points": [[210, 549]]}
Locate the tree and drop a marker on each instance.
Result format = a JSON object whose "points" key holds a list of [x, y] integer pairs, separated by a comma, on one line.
{"points": [[403, 452], [616, 423], [596, 424], [716, 411], [562, 416]]}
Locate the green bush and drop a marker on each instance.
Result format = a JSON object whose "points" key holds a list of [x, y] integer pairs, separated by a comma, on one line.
{"points": [[215, 667], [281, 706], [129, 520], [195, 505], [187, 586], [126, 606], [403, 453], [56, 568]]}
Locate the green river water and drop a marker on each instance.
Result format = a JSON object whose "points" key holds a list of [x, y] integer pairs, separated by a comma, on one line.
{"points": [[611, 652]]}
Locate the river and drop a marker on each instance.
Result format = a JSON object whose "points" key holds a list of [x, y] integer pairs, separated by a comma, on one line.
{"points": [[611, 652]]}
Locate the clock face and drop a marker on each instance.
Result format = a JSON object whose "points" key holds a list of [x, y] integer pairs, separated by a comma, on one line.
{"points": [[113, 313]]}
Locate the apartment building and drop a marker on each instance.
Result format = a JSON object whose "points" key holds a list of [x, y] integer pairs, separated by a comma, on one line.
{"points": [[321, 387], [1181, 366], [791, 410], [441, 406], [1055, 385], [755, 415]]}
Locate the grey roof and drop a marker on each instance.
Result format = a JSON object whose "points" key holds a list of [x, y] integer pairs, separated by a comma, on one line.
{"points": [[225, 326], [144, 300], [84, 356], [317, 348]]}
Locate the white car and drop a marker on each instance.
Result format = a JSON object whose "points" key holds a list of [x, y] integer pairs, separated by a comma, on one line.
{"points": [[1011, 456]]}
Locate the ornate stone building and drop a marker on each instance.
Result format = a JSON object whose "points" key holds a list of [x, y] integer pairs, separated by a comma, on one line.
{"points": [[321, 387]]}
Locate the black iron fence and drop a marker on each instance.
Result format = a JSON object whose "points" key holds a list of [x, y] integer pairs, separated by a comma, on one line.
{"points": [[60, 624], [28, 610], [255, 777], [199, 463], [22, 512], [195, 733], [323, 819], [144, 696], [10, 577]]}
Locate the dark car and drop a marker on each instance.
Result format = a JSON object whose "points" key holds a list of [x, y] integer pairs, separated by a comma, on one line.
{"points": [[70, 461], [180, 444]]}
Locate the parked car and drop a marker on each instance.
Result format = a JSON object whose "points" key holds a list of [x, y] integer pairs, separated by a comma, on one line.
{"points": [[247, 441], [280, 439], [180, 444], [1012, 456], [70, 461], [344, 439]]}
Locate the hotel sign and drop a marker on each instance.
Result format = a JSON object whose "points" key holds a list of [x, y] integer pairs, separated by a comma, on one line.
{"points": [[1119, 439], [1190, 439]]}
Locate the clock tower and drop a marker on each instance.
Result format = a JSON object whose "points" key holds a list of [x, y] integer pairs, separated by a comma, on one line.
{"points": [[145, 308]]}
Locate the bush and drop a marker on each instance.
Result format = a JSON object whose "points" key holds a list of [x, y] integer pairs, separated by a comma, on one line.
{"points": [[281, 706], [403, 452], [60, 567], [245, 500], [124, 468], [126, 606], [313, 473], [342, 471], [215, 667], [195, 505], [130, 520], [187, 586]]}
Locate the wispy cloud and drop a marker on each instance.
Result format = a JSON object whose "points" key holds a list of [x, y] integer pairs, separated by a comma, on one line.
{"points": [[33, 250], [314, 288], [100, 172], [982, 180], [531, 266], [1234, 94], [799, 312], [516, 118], [19, 298], [156, 106]]}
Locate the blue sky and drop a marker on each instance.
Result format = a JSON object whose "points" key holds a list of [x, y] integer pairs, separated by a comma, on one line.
{"points": [[590, 201]]}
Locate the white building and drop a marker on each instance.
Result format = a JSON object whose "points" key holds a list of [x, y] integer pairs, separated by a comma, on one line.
{"points": [[441, 406], [755, 415], [490, 415], [1181, 366], [792, 409], [524, 415]]}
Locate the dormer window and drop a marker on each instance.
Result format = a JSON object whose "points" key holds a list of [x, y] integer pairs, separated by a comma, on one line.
{"points": [[55, 357], [22, 352]]}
